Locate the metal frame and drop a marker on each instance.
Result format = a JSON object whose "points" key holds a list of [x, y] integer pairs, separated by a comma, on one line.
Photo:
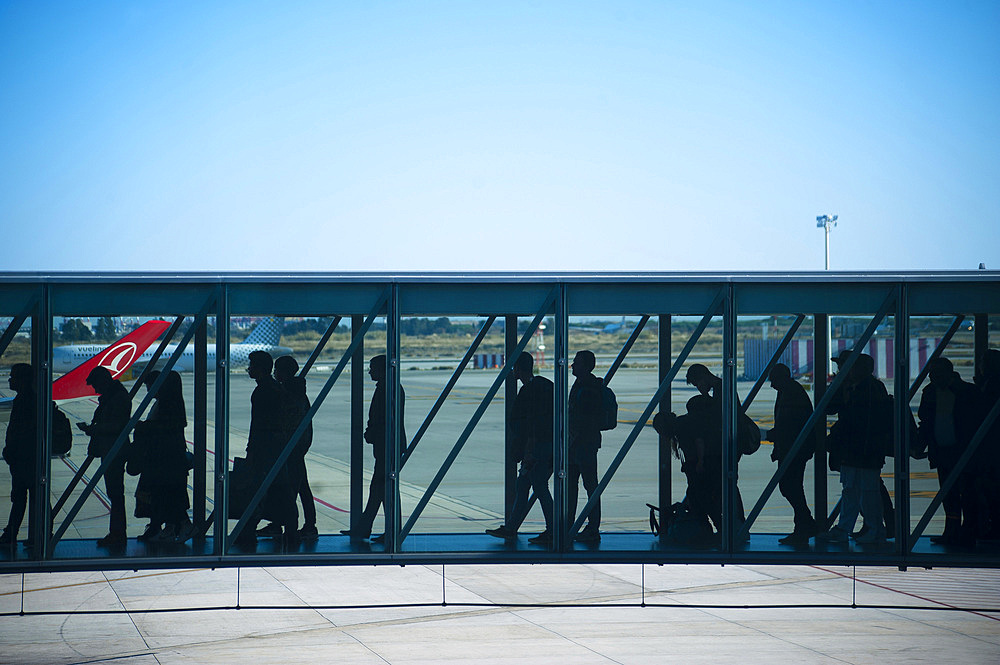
{"points": [[647, 412], [512, 296], [819, 412]]}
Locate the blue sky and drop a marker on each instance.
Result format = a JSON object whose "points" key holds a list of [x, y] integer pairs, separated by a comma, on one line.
{"points": [[498, 136]]}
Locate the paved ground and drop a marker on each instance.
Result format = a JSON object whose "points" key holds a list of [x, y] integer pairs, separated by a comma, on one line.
{"points": [[610, 630]]}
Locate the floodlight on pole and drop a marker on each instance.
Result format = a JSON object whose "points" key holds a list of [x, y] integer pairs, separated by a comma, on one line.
{"points": [[826, 222]]}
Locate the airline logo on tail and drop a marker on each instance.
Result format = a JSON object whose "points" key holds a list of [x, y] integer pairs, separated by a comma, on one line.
{"points": [[116, 358]]}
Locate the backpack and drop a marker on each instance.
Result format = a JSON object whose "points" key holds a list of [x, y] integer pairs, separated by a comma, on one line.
{"points": [[62, 432], [609, 409], [747, 435], [679, 526]]}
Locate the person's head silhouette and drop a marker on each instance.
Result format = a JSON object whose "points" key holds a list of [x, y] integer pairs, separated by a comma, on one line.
{"points": [[285, 368], [583, 363]]}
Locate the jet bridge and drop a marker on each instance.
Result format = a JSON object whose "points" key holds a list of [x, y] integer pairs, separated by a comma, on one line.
{"points": [[450, 472]]}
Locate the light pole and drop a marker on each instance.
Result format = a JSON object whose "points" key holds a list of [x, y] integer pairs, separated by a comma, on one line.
{"points": [[826, 222]]}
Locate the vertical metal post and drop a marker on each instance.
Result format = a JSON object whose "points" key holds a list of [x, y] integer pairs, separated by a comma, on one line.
{"points": [[199, 483], [357, 425], [221, 420], [901, 420], [730, 451], [41, 348], [981, 325], [664, 495], [393, 421], [821, 352], [562, 539], [509, 393]]}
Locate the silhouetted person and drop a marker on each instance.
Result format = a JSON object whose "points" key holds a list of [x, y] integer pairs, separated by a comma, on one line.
{"points": [[20, 449], [114, 408], [375, 434], [792, 409], [710, 385], [586, 416], [987, 458], [863, 431], [531, 429], [888, 511], [268, 430], [296, 407], [159, 455], [696, 439], [948, 415]]}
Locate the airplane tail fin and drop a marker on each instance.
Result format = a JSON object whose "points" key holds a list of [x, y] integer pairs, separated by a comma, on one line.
{"points": [[267, 331], [117, 358]]}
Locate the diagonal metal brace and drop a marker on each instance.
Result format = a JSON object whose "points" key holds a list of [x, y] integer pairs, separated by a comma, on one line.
{"points": [[447, 390], [629, 343], [956, 472], [16, 323], [938, 351], [457, 448], [171, 331], [119, 443], [785, 341], [332, 328], [818, 413], [641, 422], [268, 480]]}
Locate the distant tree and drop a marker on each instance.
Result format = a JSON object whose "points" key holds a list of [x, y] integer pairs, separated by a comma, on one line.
{"points": [[73, 330], [105, 329], [442, 326]]}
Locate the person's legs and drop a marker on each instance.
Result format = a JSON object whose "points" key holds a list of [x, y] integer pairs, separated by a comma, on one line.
{"points": [[791, 487], [850, 498], [376, 497], [573, 491], [887, 511], [701, 497], [522, 488], [18, 505], [588, 472], [306, 497], [114, 485], [952, 503], [539, 475], [870, 486]]}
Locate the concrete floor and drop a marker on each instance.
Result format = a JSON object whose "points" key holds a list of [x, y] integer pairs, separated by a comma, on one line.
{"points": [[605, 632]]}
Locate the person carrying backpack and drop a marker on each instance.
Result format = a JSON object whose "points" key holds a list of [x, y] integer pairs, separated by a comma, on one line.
{"points": [[586, 420]]}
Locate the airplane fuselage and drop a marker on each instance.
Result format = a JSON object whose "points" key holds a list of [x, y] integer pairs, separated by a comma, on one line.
{"points": [[65, 358]]}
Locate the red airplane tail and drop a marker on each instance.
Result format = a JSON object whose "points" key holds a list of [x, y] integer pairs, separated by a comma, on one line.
{"points": [[117, 358]]}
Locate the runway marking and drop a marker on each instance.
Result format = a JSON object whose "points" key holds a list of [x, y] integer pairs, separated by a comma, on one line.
{"points": [[100, 581], [905, 593]]}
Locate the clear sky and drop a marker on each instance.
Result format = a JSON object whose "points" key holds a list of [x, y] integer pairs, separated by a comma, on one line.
{"points": [[498, 135]]}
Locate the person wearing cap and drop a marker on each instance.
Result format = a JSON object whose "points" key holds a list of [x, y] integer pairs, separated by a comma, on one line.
{"points": [[114, 408], [861, 405], [888, 511]]}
